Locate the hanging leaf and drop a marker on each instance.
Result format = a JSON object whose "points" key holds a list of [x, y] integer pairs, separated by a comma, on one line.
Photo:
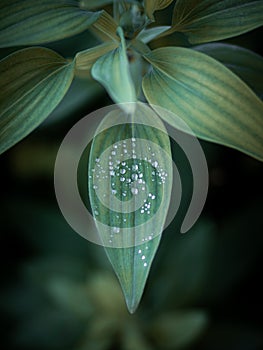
{"points": [[28, 22], [243, 62], [33, 82], [130, 180], [112, 71], [211, 20], [154, 5], [213, 101]]}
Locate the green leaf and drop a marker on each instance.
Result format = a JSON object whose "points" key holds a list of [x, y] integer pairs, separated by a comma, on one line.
{"points": [[213, 101], [112, 71], [150, 34], [33, 82], [94, 4], [211, 20], [130, 180], [105, 28], [243, 62], [28, 22], [154, 5], [85, 59]]}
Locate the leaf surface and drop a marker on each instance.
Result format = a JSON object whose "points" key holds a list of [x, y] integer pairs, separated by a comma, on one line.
{"points": [[112, 71], [33, 82], [210, 20], [28, 22], [154, 5], [213, 101], [130, 179], [243, 62]]}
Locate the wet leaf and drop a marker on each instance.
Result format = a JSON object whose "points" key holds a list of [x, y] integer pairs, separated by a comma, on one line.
{"points": [[130, 179], [213, 101]]}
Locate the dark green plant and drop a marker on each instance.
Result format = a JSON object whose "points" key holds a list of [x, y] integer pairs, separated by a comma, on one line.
{"points": [[215, 88]]}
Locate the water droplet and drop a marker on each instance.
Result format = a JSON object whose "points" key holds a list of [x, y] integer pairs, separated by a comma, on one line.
{"points": [[145, 264], [135, 167], [134, 177], [143, 257], [115, 229], [122, 171], [134, 191], [122, 179]]}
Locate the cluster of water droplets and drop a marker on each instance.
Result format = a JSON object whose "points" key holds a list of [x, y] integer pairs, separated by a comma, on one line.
{"points": [[120, 177]]}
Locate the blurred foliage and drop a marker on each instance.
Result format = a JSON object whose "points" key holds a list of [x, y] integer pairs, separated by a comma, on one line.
{"points": [[58, 291]]}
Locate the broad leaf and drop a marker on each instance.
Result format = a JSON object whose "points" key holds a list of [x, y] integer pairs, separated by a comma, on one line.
{"points": [[212, 100], [105, 28], [243, 62], [85, 59], [33, 82], [150, 34], [154, 5], [211, 20], [130, 180], [112, 71], [27, 22]]}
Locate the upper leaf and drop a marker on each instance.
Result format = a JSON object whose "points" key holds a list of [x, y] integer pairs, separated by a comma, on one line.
{"points": [[112, 71], [85, 59], [212, 100], [28, 22], [211, 20], [154, 5], [33, 82], [147, 35], [245, 63]]}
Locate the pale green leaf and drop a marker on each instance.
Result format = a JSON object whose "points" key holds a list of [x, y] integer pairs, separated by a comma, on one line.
{"points": [[213, 101], [154, 5], [28, 22], [150, 34], [112, 71], [243, 62], [33, 82], [130, 180], [85, 59], [211, 20]]}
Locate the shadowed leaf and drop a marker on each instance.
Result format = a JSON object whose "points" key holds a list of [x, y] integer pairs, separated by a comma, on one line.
{"points": [[211, 20], [33, 82], [28, 22], [243, 62]]}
